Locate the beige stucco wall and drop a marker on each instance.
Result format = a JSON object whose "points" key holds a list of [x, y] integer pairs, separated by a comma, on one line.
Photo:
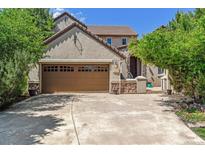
{"points": [[86, 47], [62, 23], [116, 40], [34, 74], [152, 75]]}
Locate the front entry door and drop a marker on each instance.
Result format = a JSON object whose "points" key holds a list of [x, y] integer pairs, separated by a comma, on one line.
{"points": [[135, 66]]}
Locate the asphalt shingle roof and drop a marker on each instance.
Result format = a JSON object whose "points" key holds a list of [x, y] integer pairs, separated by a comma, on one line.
{"points": [[112, 30]]}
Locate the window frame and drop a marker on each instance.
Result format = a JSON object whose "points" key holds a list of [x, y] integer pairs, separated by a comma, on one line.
{"points": [[125, 39], [110, 40]]}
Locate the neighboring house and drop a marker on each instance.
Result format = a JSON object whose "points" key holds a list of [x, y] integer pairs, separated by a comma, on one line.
{"points": [[85, 58]]}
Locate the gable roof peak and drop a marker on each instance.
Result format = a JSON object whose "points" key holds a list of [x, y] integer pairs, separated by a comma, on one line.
{"points": [[70, 16]]}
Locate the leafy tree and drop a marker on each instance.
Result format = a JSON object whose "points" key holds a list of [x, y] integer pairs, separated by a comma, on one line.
{"points": [[178, 47], [21, 46], [43, 20]]}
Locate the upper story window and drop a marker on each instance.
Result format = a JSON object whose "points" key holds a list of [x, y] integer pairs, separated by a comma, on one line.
{"points": [[124, 41], [109, 41]]}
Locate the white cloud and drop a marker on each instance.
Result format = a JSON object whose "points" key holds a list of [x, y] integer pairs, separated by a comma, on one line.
{"points": [[79, 15], [59, 9], [82, 19], [72, 14], [57, 12]]}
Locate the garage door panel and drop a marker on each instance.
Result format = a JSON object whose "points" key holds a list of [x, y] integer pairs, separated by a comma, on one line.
{"points": [[67, 77]]}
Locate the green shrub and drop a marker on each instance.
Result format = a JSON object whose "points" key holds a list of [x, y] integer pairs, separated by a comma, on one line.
{"points": [[178, 47], [200, 132], [201, 88], [14, 82], [21, 45], [191, 116]]}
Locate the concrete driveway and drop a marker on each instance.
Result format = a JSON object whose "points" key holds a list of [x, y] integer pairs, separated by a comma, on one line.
{"points": [[88, 118]]}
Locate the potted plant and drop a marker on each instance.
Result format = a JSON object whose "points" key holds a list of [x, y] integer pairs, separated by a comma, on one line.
{"points": [[169, 91], [32, 92], [116, 91]]}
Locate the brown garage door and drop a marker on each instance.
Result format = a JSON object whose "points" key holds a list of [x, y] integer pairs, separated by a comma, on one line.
{"points": [[73, 77]]}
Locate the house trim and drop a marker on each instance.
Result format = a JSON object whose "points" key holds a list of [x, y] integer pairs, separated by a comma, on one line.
{"points": [[98, 61], [122, 47], [116, 35]]}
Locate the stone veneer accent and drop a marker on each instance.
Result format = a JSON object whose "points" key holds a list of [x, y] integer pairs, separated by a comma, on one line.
{"points": [[127, 87], [34, 86]]}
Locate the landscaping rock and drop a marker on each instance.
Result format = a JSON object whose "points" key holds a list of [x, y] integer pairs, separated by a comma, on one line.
{"points": [[203, 108], [196, 106], [189, 101], [175, 105], [183, 105]]}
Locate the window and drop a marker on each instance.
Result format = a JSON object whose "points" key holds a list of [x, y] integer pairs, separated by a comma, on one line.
{"points": [[109, 41], [85, 69], [51, 68], [66, 69], [124, 41], [100, 69], [91, 68], [160, 70]]}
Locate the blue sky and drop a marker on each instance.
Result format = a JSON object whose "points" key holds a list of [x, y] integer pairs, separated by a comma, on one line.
{"points": [[141, 20]]}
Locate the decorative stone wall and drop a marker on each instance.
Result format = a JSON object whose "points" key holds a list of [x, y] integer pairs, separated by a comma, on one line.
{"points": [[34, 86], [127, 87]]}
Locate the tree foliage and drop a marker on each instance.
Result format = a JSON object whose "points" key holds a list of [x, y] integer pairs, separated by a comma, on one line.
{"points": [[43, 20], [21, 46], [178, 47]]}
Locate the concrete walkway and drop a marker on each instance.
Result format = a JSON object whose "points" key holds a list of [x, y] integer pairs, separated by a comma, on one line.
{"points": [[97, 119]]}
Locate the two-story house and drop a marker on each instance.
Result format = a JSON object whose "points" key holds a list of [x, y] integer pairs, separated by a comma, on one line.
{"points": [[85, 58]]}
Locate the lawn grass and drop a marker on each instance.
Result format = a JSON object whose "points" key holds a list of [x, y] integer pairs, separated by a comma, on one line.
{"points": [[193, 116], [200, 132]]}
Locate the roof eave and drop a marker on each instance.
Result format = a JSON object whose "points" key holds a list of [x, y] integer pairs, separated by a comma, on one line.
{"points": [[128, 35], [72, 17]]}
